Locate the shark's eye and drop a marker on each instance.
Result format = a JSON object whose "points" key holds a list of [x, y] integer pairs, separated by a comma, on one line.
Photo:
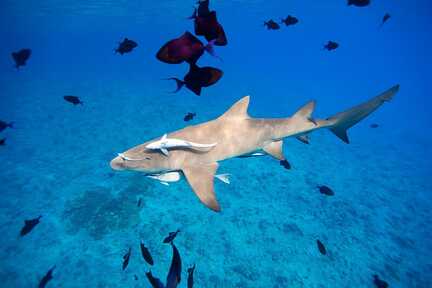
{"points": [[147, 158]]}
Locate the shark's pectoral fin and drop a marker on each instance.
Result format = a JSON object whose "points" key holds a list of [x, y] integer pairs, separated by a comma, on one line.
{"points": [[275, 149], [201, 179]]}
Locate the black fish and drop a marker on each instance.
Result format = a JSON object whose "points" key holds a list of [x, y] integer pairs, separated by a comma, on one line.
{"points": [[4, 125], [139, 202], [135, 277], [331, 45], [21, 57], [155, 282], [285, 164], [374, 125], [146, 254], [203, 8], [48, 276], [126, 258], [359, 3], [289, 20], [189, 116], [126, 46], [190, 276], [198, 78], [73, 99], [321, 247], [29, 225], [174, 274], [3, 142], [379, 283], [325, 190], [271, 25], [386, 17], [171, 236]]}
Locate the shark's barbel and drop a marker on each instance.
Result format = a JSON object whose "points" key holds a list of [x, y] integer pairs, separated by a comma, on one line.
{"points": [[237, 134]]}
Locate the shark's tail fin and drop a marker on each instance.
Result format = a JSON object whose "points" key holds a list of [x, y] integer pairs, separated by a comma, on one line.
{"points": [[341, 122]]}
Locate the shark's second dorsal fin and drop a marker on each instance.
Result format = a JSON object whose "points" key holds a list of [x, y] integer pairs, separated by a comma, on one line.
{"points": [[239, 109]]}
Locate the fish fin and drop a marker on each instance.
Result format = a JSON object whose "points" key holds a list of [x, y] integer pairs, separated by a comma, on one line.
{"points": [[164, 183], [164, 151], [239, 109], [179, 83], [224, 177], [275, 149], [303, 138], [201, 179], [164, 136]]}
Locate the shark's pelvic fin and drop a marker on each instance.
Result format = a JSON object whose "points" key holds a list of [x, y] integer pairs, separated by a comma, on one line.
{"points": [[239, 109], [201, 179], [275, 149]]}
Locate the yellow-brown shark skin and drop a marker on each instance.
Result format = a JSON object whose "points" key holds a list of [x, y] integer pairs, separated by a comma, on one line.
{"points": [[236, 134]]}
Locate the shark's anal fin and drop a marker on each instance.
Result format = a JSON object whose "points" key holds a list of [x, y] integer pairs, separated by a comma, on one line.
{"points": [[275, 149], [201, 179]]}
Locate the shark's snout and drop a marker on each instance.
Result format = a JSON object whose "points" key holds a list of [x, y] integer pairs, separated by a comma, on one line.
{"points": [[117, 163]]}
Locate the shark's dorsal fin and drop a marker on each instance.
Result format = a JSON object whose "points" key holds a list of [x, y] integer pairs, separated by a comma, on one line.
{"points": [[275, 149], [201, 179], [239, 109], [306, 110]]}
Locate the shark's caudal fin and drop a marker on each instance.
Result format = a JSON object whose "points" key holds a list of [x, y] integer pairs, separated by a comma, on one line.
{"points": [[341, 122]]}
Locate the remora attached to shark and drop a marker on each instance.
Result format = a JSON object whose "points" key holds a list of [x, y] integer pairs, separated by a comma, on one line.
{"points": [[236, 134]]}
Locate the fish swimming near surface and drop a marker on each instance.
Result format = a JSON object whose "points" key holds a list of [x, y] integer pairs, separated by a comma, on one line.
{"points": [[48, 277], [126, 258], [359, 3], [126, 46], [321, 247], [325, 190], [155, 282], [190, 280], [385, 18], [21, 57], [237, 133], [29, 225], [146, 254], [186, 48], [290, 20], [189, 116], [4, 125], [171, 236], [198, 78], [331, 45], [284, 163], [174, 273], [271, 25], [379, 283], [3, 142], [73, 99]]}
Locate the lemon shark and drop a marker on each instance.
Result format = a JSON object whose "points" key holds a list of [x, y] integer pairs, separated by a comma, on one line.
{"points": [[233, 134]]}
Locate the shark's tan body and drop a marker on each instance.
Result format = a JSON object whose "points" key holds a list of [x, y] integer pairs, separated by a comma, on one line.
{"points": [[236, 134]]}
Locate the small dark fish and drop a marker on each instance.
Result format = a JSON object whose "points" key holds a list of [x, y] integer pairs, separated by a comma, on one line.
{"points": [[29, 225], [374, 125], [21, 57], [146, 254], [321, 247], [139, 202], [189, 116], [174, 274], [126, 258], [289, 20], [3, 142], [271, 25], [126, 46], [4, 125], [135, 277], [48, 276], [285, 164], [325, 190], [379, 283], [359, 3], [203, 8], [73, 99], [208, 26], [331, 46], [190, 280], [155, 282], [386, 17], [197, 78], [171, 236]]}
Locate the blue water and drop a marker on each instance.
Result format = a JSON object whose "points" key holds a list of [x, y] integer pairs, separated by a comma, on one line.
{"points": [[56, 160]]}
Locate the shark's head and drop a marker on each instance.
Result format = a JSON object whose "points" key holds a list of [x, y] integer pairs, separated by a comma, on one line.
{"points": [[141, 159]]}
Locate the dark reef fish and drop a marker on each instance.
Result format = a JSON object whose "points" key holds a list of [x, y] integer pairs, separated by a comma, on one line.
{"points": [[271, 25], [126, 258], [189, 116], [146, 254], [321, 247], [185, 48], [290, 20], [331, 45], [171, 236], [139, 202], [48, 277], [385, 18], [285, 164], [29, 225], [207, 25], [379, 283], [126, 46], [73, 99], [4, 125], [190, 280], [3, 142], [374, 125], [198, 78], [21, 57], [359, 3], [174, 274], [325, 190], [155, 282]]}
